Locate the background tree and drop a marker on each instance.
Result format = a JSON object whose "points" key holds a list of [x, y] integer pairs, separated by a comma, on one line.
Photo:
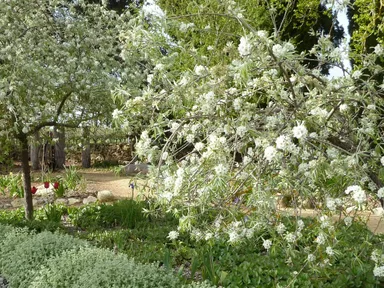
{"points": [[56, 69], [300, 22]]}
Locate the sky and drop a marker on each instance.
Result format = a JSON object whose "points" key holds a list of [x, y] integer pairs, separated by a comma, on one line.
{"points": [[337, 72]]}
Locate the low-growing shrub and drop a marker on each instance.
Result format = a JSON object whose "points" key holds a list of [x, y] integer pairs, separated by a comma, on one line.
{"points": [[22, 253], [95, 267], [49, 259]]}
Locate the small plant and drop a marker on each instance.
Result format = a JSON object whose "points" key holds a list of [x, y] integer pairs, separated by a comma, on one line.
{"points": [[12, 184], [58, 189], [71, 178], [118, 170], [52, 212]]}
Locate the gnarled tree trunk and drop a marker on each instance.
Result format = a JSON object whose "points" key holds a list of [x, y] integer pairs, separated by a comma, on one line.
{"points": [[26, 177]]}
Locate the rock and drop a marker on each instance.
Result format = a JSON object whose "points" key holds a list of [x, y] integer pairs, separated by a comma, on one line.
{"points": [[105, 196], [38, 201], [141, 168], [7, 205], [62, 201], [378, 211], [74, 201], [45, 191], [89, 200], [18, 202]]}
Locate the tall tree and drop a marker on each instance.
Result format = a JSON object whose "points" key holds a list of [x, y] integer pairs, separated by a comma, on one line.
{"points": [[56, 68], [301, 22]]}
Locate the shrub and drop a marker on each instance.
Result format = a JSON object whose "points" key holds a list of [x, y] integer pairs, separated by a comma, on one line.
{"points": [[53, 260], [22, 253], [4, 230], [95, 267]]}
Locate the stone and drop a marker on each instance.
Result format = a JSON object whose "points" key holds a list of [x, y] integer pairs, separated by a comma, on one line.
{"points": [[18, 202], [89, 200], [105, 196], [38, 201], [45, 191], [141, 168], [379, 211], [74, 201], [62, 201]]}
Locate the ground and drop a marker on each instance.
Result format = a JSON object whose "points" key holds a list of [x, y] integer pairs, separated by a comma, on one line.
{"points": [[105, 180]]}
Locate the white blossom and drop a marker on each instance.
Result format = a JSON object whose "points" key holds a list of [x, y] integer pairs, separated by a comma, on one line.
{"points": [[319, 112], [233, 237], [150, 8], [311, 258], [241, 130], [290, 237], [284, 143], [329, 251], [270, 153], [380, 193], [331, 203], [221, 170], [280, 228], [200, 70], [348, 221], [343, 107], [320, 239], [300, 131], [267, 244], [244, 47], [378, 271], [173, 235], [379, 50], [358, 193], [199, 146]]}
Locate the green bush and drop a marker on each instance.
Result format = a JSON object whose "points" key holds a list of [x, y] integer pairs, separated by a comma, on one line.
{"points": [[49, 259], [22, 253], [95, 267]]}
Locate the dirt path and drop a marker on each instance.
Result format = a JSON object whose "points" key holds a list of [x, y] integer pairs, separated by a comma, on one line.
{"points": [[106, 180], [374, 223]]}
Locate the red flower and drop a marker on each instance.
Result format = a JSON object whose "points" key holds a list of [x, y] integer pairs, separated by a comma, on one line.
{"points": [[33, 190], [56, 185], [46, 185]]}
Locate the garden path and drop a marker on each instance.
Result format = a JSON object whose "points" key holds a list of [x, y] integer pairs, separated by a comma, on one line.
{"points": [[105, 180]]}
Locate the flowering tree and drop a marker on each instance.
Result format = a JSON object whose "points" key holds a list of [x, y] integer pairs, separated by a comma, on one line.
{"points": [[58, 63], [261, 124]]}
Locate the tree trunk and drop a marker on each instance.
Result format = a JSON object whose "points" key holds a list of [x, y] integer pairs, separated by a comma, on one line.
{"points": [[26, 177], [35, 149], [59, 148], [86, 152]]}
